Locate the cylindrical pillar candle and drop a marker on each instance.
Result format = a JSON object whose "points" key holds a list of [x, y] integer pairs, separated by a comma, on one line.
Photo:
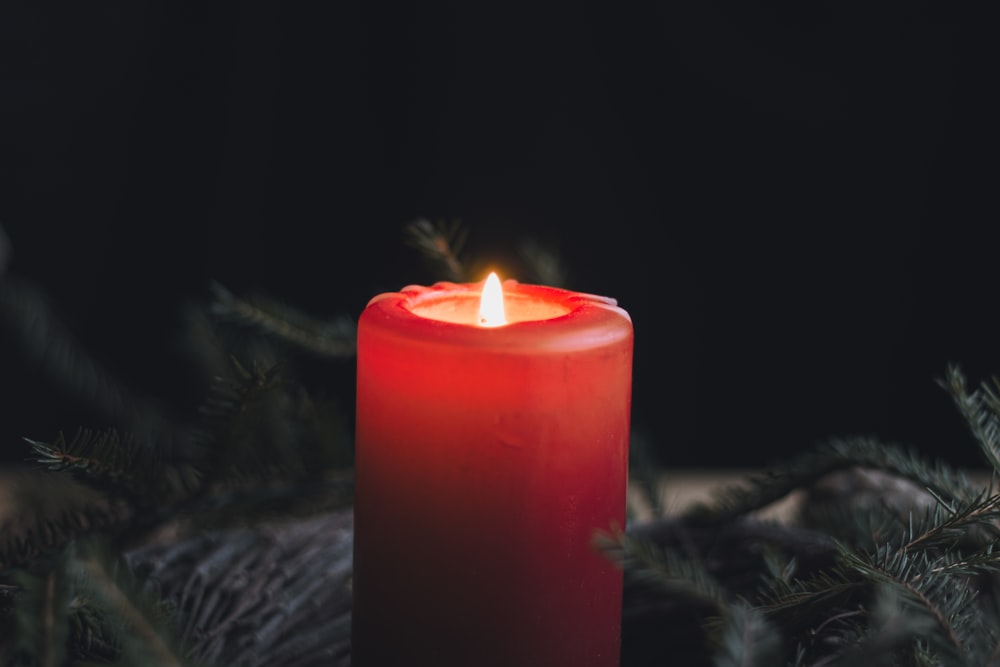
{"points": [[487, 457]]}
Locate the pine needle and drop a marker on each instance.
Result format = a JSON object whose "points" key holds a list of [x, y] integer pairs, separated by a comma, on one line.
{"points": [[761, 490], [644, 474], [332, 339], [104, 458], [925, 591], [946, 525], [981, 410], [48, 510], [544, 266], [663, 569], [40, 628], [146, 625], [57, 354], [441, 244], [748, 639]]}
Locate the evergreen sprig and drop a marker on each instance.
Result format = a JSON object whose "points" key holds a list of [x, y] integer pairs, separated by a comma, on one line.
{"points": [[114, 463], [938, 604], [543, 265], [259, 428], [747, 639], [117, 567], [51, 509], [39, 626], [981, 410], [649, 565], [275, 319], [84, 605], [954, 524], [913, 578], [131, 618], [758, 491], [441, 245]]}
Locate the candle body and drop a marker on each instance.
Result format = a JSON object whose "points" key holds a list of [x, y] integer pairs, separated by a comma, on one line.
{"points": [[485, 461]]}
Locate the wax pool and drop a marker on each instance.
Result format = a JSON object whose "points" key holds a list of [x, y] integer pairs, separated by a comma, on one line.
{"points": [[486, 460]]}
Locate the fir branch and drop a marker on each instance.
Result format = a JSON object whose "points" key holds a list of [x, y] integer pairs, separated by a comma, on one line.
{"points": [[56, 352], [40, 630], [891, 632], [649, 565], [968, 565], [53, 511], [544, 266], [257, 426], [332, 339], [238, 503], [795, 602], [91, 636], [645, 475], [441, 244], [947, 523], [106, 460], [981, 410], [748, 639], [924, 591], [146, 625], [761, 490], [322, 433], [235, 433]]}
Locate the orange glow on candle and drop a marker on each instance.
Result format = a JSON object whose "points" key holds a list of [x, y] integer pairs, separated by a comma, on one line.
{"points": [[491, 312]]}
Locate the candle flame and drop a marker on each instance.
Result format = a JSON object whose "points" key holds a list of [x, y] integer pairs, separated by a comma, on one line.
{"points": [[491, 313]]}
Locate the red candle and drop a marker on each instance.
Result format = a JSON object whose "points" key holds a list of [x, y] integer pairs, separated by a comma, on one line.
{"points": [[487, 455]]}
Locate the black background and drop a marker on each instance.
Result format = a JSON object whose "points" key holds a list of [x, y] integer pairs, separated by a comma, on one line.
{"points": [[793, 202]]}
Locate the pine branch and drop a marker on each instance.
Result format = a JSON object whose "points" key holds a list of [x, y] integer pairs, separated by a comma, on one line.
{"points": [[48, 510], [947, 524], [925, 592], [54, 350], [266, 449], [544, 266], [648, 565], [748, 639], [240, 503], [257, 426], [891, 635], [796, 603], [322, 433], [24, 541], [91, 636], [40, 628], [146, 625], [644, 474], [981, 410], [331, 339], [236, 433], [923, 563], [933, 604], [761, 490], [440, 243], [105, 460]]}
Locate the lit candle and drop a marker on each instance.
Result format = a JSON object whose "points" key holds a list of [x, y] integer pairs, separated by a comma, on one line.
{"points": [[491, 444]]}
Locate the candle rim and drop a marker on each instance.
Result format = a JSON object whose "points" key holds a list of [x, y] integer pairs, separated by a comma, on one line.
{"points": [[589, 320]]}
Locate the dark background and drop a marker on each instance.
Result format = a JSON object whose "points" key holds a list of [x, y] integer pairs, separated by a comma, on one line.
{"points": [[794, 203]]}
